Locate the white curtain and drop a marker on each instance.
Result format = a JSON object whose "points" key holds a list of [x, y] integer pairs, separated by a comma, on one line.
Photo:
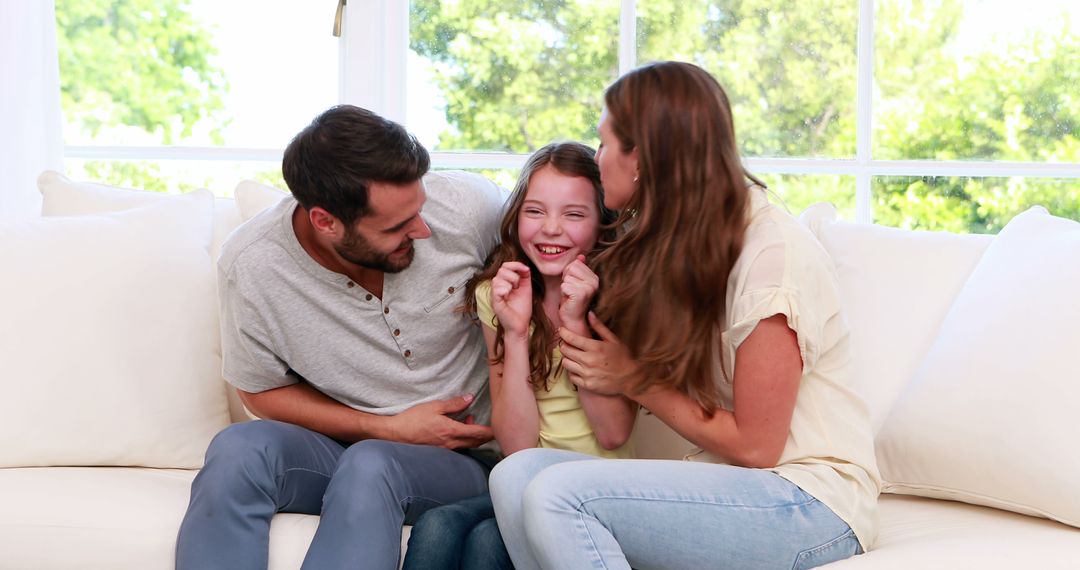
{"points": [[31, 137]]}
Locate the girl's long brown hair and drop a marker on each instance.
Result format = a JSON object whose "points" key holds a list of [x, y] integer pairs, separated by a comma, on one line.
{"points": [[664, 280], [569, 159]]}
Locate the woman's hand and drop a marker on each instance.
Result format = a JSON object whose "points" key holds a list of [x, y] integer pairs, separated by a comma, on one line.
{"points": [[579, 284], [603, 366], [511, 297]]}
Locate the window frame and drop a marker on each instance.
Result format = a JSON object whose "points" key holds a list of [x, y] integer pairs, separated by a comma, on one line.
{"points": [[372, 58]]}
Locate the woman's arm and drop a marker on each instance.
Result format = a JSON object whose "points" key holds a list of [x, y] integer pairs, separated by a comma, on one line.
{"points": [[768, 368], [514, 415], [767, 372]]}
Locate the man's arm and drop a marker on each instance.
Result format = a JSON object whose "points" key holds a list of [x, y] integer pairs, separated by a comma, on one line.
{"points": [[425, 423]]}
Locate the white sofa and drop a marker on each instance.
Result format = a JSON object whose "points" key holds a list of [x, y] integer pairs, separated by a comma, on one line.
{"points": [[965, 353]]}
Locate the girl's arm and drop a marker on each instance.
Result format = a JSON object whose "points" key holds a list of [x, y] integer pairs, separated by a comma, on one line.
{"points": [[768, 368], [611, 417], [514, 415]]}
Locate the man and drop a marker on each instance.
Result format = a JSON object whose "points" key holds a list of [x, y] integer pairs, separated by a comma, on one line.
{"points": [[339, 329]]}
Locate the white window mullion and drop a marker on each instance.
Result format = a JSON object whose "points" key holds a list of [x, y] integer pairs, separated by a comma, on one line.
{"points": [[627, 36], [864, 113], [375, 44]]}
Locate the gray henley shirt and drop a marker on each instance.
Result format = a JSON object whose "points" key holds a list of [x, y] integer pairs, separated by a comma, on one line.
{"points": [[287, 318]]}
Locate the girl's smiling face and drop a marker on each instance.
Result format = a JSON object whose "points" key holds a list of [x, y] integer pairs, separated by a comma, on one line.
{"points": [[558, 220]]}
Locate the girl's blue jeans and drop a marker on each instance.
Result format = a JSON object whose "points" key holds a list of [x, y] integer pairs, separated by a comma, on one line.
{"points": [[462, 535]]}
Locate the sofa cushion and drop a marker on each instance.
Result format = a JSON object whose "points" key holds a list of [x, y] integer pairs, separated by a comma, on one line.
{"points": [[63, 197], [105, 518], [928, 534], [253, 197], [896, 287], [110, 341], [990, 416]]}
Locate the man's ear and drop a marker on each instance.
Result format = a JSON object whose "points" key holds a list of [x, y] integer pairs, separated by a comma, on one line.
{"points": [[324, 222]]}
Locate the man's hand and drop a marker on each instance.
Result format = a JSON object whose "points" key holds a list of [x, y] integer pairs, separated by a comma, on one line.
{"points": [[428, 424], [579, 284], [603, 366]]}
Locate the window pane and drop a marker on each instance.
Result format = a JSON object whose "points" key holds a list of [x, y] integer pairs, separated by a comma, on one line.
{"points": [[509, 75], [193, 72], [798, 191], [968, 205], [176, 176], [788, 67], [977, 80]]}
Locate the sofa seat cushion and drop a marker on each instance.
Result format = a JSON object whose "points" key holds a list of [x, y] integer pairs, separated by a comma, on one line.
{"points": [[110, 518], [931, 534]]}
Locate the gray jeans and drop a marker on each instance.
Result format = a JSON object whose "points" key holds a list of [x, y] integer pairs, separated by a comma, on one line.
{"points": [[365, 492]]}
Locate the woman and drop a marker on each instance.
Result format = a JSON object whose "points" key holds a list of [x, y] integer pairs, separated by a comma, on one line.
{"points": [[719, 314]]}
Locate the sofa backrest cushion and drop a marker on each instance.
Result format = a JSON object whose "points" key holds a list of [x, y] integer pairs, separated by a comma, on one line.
{"points": [[990, 417], [65, 197], [62, 196], [111, 344], [897, 286], [253, 197]]}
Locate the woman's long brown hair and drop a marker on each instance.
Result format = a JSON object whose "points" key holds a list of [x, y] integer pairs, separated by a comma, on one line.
{"points": [[569, 159], [664, 280]]}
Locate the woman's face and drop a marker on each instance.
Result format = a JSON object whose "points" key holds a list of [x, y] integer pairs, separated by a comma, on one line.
{"points": [[618, 169]]}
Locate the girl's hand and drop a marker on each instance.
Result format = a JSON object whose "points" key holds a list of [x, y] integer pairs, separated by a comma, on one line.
{"points": [[579, 284], [603, 366], [511, 297]]}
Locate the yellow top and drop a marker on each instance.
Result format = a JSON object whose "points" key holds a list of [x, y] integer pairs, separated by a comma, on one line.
{"points": [[563, 424]]}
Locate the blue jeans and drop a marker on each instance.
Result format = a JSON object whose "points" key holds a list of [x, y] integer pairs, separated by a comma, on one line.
{"points": [[558, 509], [462, 535], [364, 492]]}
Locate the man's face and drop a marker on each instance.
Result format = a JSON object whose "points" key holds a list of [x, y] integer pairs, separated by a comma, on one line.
{"points": [[382, 240]]}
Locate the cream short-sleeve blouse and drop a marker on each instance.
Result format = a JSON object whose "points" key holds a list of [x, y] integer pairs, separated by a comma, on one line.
{"points": [[783, 270]]}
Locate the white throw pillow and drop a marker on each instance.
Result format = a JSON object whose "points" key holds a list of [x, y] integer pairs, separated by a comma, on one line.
{"points": [[990, 417], [897, 287], [63, 197], [253, 197], [110, 339]]}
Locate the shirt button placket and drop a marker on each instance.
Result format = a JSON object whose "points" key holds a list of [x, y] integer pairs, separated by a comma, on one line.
{"points": [[395, 330]]}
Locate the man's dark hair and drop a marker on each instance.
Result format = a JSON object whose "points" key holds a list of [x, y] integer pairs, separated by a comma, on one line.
{"points": [[331, 163]]}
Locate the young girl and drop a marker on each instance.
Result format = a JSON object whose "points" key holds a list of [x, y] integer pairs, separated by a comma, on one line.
{"points": [[535, 282]]}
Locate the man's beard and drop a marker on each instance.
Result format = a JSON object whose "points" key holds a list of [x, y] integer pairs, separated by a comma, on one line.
{"points": [[355, 249]]}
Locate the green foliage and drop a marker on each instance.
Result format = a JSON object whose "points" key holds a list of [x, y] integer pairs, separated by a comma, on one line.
{"points": [[790, 71], [145, 64], [272, 178], [1015, 104], [788, 67], [518, 74]]}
